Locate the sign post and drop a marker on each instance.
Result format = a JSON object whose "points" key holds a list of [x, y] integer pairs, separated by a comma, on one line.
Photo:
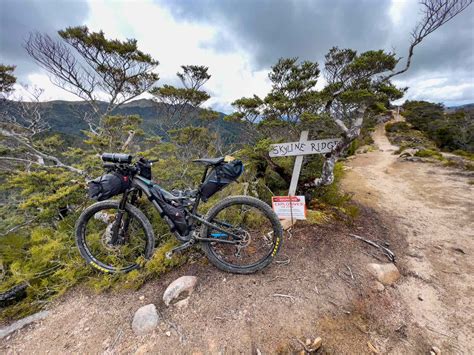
{"points": [[297, 167], [284, 204]]}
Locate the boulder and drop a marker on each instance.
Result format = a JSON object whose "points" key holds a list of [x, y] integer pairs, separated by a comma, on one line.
{"points": [[145, 319], [409, 152], [178, 287], [4, 331], [386, 274]]}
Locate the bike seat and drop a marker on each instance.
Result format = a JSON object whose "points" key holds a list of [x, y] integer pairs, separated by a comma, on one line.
{"points": [[209, 161]]}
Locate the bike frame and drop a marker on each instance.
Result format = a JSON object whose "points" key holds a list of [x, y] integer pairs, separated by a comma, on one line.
{"points": [[146, 186]]}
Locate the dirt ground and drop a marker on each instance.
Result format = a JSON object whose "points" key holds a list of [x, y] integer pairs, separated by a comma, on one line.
{"points": [[319, 285]]}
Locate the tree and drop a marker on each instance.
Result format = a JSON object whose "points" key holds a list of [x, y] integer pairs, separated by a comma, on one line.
{"points": [[182, 105], [358, 87], [94, 68], [7, 79]]}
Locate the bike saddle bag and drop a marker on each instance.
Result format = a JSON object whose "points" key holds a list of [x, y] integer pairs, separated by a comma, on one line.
{"points": [[221, 176], [107, 186]]}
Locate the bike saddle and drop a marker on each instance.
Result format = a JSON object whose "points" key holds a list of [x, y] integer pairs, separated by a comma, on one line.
{"points": [[209, 161]]}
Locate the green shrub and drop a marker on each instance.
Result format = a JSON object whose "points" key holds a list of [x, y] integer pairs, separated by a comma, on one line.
{"points": [[397, 127], [428, 153]]}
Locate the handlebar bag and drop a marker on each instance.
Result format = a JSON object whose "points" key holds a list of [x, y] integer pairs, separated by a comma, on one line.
{"points": [[221, 176], [107, 186]]}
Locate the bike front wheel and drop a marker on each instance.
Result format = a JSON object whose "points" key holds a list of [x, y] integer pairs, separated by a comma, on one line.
{"points": [[252, 230], [112, 244]]}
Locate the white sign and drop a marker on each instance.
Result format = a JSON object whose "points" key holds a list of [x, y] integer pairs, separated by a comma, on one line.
{"points": [[320, 146], [289, 207]]}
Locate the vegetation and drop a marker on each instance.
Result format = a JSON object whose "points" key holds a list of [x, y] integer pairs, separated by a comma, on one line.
{"points": [[43, 172], [449, 131]]}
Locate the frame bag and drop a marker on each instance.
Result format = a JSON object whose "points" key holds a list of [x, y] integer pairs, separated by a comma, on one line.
{"points": [[220, 177], [107, 186], [174, 210]]}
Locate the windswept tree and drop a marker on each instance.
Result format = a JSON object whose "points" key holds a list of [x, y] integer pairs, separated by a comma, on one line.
{"points": [[7, 80], [358, 87], [94, 68], [182, 105]]}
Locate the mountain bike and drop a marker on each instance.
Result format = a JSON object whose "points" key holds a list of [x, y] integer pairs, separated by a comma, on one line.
{"points": [[239, 234]]}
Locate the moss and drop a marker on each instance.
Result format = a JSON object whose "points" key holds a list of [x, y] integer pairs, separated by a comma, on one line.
{"points": [[317, 217], [464, 154], [428, 153]]}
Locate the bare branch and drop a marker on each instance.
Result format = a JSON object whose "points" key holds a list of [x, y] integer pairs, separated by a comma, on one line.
{"points": [[435, 14]]}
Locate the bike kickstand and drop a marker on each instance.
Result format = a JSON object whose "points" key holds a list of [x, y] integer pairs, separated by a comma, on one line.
{"points": [[179, 248]]}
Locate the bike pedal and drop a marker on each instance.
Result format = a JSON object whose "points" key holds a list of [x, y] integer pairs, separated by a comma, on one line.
{"points": [[178, 249]]}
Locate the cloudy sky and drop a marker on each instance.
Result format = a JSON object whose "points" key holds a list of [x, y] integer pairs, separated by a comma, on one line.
{"points": [[239, 40]]}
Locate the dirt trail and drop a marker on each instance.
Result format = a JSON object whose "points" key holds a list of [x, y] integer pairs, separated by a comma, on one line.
{"points": [[433, 208], [319, 286]]}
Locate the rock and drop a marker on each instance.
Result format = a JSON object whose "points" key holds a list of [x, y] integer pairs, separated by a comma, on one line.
{"points": [[387, 274], [4, 331], [379, 286], [436, 350], [145, 319], [182, 304], [420, 297], [410, 152], [179, 286], [287, 223], [141, 298], [168, 333], [316, 344]]}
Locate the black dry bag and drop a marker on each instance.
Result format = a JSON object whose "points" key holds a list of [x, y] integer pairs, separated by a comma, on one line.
{"points": [[107, 186], [221, 176]]}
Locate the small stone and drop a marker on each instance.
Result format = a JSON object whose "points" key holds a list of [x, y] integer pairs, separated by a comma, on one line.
{"points": [[420, 298], [436, 350], [316, 344], [387, 274], [308, 341], [141, 298], [145, 319], [379, 286], [182, 304], [86, 329], [179, 286], [168, 333]]}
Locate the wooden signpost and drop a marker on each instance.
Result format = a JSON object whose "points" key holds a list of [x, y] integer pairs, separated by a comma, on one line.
{"points": [[299, 149]]}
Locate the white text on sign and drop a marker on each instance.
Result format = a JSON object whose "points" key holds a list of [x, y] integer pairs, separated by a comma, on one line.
{"points": [[289, 207], [321, 146]]}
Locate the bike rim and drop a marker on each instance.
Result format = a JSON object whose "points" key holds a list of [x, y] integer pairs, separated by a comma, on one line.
{"points": [[124, 255], [253, 226]]}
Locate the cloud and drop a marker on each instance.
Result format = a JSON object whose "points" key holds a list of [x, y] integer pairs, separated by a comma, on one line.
{"points": [[175, 42], [269, 29], [240, 39], [19, 17]]}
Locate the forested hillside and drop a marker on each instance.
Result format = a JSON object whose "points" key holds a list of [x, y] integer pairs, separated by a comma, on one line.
{"points": [[66, 117]]}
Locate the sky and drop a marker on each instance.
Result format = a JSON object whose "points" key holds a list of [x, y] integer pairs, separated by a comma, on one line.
{"points": [[239, 40]]}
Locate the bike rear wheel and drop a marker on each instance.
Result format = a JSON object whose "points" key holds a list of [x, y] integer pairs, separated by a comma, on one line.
{"points": [[110, 247], [259, 230]]}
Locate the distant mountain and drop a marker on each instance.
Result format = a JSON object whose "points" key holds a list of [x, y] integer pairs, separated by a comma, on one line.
{"points": [[65, 117], [466, 107]]}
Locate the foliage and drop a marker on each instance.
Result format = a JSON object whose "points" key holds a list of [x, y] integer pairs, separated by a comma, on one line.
{"points": [[7, 79], [91, 66], [428, 153], [450, 131]]}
